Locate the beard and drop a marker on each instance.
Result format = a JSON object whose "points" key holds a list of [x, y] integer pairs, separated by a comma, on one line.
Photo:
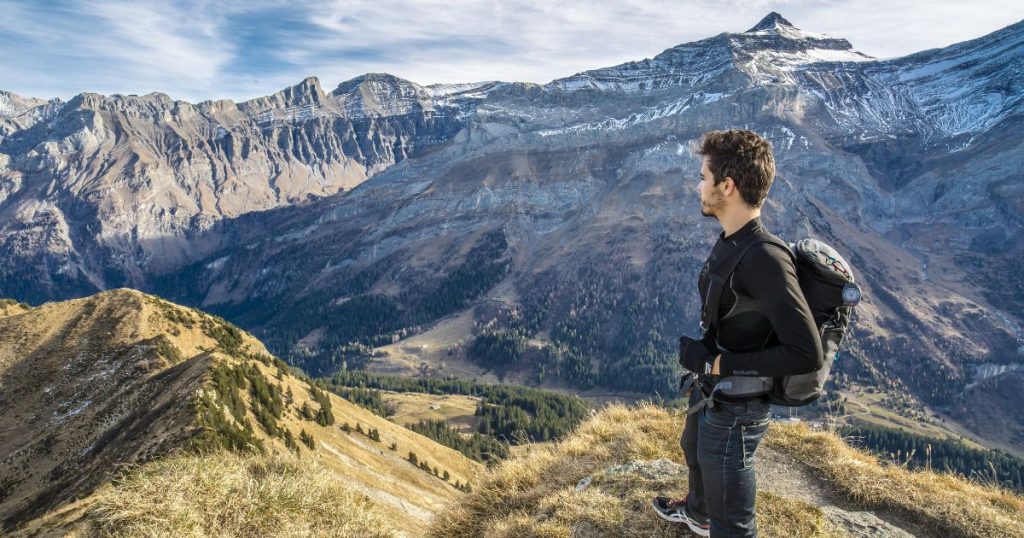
{"points": [[710, 207]]}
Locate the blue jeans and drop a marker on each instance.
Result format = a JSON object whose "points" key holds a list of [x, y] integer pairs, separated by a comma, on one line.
{"points": [[719, 445]]}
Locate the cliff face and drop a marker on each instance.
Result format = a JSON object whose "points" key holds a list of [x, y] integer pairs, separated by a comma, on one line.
{"points": [[565, 217], [18, 113], [104, 191]]}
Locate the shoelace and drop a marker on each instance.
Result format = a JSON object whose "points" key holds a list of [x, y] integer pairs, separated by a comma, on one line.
{"points": [[672, 503]]}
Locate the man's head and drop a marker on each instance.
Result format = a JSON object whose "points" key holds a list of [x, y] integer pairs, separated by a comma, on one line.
{"points": [[738, 168]]}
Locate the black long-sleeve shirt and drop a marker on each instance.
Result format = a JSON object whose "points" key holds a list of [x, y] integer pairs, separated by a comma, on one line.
{"points": [[765, 326]]}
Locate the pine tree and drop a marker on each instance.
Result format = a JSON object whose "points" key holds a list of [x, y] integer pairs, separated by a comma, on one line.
{"points": [[307, 440], [323, 418], [289, 441]]}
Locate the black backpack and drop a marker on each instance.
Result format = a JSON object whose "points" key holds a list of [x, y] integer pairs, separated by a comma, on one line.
{"points": [[827, 283]]}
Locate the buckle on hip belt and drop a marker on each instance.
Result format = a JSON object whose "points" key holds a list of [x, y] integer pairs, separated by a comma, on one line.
{"points": [[709, 401]]}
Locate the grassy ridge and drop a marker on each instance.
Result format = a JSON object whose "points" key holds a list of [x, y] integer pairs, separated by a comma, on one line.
{"points": [[922, 452], [533, 493], [948, 504], [231, 495]]}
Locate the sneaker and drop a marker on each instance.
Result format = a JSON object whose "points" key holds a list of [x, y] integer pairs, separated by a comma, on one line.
{"points": [[674, 510]]}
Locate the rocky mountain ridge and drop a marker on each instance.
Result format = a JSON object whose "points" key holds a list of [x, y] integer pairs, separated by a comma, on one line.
{"points": [[104, 191], [562, 219]]}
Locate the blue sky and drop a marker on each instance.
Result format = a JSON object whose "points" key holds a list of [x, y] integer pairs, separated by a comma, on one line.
{"points": [[199, 49]]}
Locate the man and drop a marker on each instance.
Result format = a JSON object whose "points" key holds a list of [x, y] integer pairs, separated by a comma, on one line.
{"points": [[764, 330]]}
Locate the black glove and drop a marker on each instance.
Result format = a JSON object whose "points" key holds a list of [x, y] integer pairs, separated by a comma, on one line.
{"points": [[697, 356]]}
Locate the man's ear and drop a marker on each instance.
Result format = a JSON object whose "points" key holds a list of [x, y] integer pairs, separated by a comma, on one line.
{"points": [[728, 185]]}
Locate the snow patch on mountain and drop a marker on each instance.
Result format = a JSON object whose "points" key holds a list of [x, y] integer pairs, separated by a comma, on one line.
{"points": [[969, 89], [690, 65], [672, 108], [475, 90], [6, 106]]}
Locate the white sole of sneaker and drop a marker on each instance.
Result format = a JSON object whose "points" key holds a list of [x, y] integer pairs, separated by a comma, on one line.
{"points": [[694, 528], [666, 517], [698, 531]]}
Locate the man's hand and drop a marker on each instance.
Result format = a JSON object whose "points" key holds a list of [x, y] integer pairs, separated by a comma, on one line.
{"points": [[698, 356]]}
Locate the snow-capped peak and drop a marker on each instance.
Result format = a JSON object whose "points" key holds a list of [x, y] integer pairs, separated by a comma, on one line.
{"points": [[771, 21], [773, 48], [774, 25], [769, 52]]}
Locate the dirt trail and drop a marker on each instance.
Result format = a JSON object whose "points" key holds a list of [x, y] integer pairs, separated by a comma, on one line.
{"points": [[785, 476]]}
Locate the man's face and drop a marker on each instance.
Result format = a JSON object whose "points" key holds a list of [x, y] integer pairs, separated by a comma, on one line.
{"points": [[712, 201]]}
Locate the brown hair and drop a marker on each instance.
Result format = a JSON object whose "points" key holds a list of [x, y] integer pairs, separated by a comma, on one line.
{"points": [[745, 157]]}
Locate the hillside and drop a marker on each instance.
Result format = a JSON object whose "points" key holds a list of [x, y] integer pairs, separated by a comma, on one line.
{"points": [[598, 481], [121, 377]]}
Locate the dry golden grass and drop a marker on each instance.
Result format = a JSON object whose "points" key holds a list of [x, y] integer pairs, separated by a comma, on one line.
{"points": [[533, 493], [10, 307], [944, 503], [778, 516], [371, 463], [224, 494]]}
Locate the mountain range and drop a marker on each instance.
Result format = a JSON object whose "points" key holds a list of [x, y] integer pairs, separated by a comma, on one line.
{"points": [[550, 234]]}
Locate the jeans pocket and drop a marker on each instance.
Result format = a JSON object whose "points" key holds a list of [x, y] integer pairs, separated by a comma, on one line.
{"points": [[756, 413], [719, 419]]}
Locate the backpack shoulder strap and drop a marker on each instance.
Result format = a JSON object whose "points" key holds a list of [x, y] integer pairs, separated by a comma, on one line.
{"points": [[720, 273], [773, 240], [717, 277]]}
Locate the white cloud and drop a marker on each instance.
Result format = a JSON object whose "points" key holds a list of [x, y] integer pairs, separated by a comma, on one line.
{"points": [[539, 41], [199, 49], [107, 47], [888, 29], [183, 47]]}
